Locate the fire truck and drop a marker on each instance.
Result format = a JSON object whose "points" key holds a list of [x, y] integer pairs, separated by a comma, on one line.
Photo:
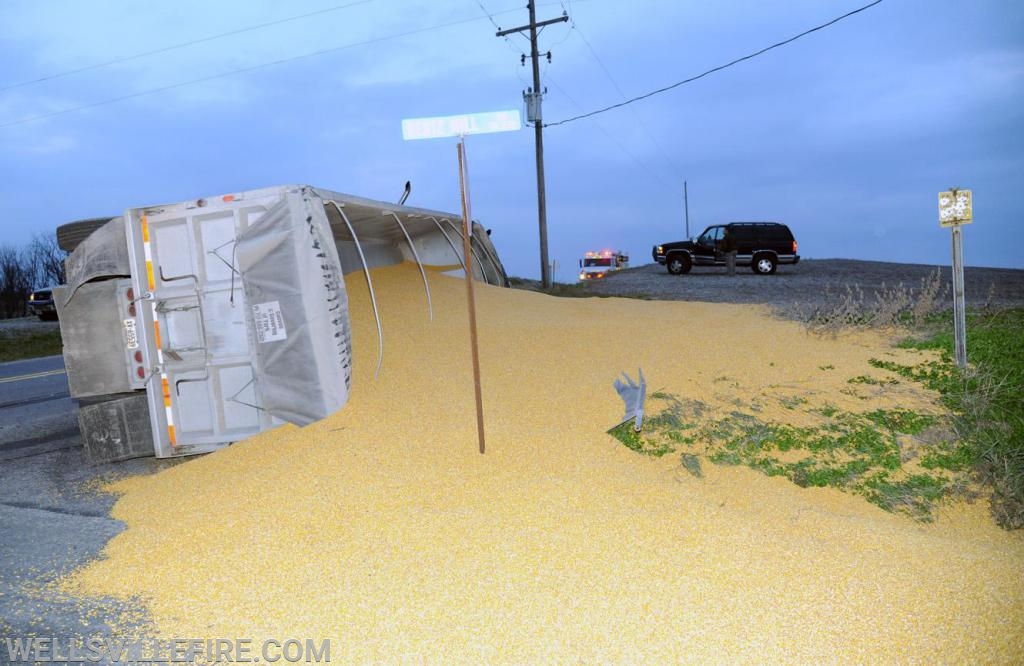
{"points": [[595, 265]]}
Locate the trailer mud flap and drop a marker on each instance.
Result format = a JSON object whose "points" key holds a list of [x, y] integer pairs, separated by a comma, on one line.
{"points": [[117, 429]]}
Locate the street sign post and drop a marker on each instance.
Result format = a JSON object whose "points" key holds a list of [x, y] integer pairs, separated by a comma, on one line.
{"points": [[956, 210], [460, 126]]}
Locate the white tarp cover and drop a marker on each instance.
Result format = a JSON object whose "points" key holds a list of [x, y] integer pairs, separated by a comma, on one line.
{"points": [[298, 309]]}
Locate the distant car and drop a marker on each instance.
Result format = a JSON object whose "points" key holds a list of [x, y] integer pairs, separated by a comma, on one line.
{"points": [[760, 245], [40, 303]]}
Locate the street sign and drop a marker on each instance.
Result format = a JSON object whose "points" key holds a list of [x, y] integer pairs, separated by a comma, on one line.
{"points": [[955, 208], [461, 126], [464, 125]]}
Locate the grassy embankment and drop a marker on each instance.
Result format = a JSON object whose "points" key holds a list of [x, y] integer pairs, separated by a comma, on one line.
{"points": [[900, 460], [16, 345]]}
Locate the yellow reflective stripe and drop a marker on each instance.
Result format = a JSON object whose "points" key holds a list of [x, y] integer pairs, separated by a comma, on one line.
{"points": [[150, 280]]}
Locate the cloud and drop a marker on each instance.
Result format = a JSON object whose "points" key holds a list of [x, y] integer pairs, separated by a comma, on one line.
{"points": [[920, 98], [50, 144]]}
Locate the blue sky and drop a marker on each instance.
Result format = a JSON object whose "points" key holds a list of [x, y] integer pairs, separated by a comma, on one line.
{"points": [[847, 134]]}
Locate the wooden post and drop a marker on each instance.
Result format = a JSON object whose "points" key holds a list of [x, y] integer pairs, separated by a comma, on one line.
{"points": [[467, 229]]}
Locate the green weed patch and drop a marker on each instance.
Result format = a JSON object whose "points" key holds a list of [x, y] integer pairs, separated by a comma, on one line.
{"points": [[986, 401], [900, 460], [857, 453]]}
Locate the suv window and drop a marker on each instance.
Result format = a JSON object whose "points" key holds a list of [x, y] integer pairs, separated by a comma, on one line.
{"points": [[711, 236]]}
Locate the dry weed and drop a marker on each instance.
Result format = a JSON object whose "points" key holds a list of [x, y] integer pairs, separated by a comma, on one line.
{"points": [[890, 307]]}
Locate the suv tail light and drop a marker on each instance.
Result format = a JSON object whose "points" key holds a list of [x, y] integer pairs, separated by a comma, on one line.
{"points": [[794, 247]]}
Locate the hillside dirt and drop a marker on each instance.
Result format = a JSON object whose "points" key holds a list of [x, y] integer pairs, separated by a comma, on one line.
{"points": [[384, 529]]}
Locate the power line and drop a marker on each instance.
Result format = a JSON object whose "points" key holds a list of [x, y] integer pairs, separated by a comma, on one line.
{"points": [[715, 69], [175, 47], [608, 75], [612, 138], [565, 94], [489, 16], [241, 70], [508, 41]]}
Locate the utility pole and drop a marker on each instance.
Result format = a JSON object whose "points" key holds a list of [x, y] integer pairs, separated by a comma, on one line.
{"points": [[533, 113]]}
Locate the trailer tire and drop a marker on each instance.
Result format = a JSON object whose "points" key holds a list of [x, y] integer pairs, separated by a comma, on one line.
{"points": [[70, 235]]}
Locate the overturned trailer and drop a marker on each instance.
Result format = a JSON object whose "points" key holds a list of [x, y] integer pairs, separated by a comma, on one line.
{"points": [[192, 325]]}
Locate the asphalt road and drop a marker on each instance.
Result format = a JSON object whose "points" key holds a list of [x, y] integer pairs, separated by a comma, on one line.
{"points": [[36, 413], [53, 515]]}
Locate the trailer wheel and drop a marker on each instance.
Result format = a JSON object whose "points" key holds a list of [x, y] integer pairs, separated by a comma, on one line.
{"points": [[71, 234]]}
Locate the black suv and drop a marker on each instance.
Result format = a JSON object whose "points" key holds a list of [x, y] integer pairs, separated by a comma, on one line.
{"points": [[40, 303], [760, 245]]}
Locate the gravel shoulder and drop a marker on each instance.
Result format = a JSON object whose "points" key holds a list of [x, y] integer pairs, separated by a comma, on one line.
{"points": [[814, 284]]}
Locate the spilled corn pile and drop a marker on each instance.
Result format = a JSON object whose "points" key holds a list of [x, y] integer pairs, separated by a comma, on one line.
{"points": [[383, 529]]}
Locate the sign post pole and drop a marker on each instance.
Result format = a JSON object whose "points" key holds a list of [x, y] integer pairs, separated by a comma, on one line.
{"points": [[460, 126], [467, 231], [959, 305], [956, 210]]}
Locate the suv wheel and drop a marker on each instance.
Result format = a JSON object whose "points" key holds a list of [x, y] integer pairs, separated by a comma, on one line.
{"points": [[679, 263], [764, 264]]}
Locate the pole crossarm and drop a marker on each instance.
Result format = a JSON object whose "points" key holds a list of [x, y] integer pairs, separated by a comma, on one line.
{"points": [[541, 24]]}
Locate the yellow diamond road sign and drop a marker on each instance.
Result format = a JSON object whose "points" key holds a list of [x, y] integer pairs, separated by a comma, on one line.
{"points": [[955, 208]]}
